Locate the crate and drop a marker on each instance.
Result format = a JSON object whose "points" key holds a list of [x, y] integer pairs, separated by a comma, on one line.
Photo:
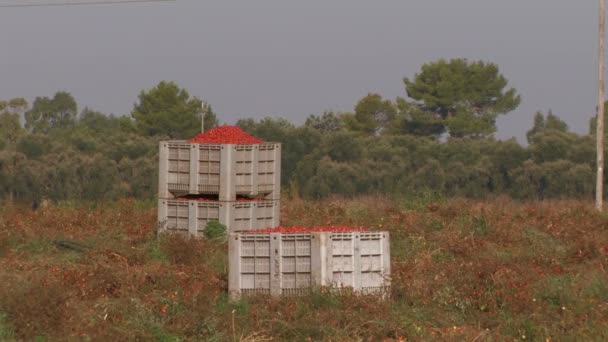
{"points": [[191, 217], [290, 264], [225, 170]]}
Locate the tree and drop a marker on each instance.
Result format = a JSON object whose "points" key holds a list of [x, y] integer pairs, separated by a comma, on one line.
{"points": [[550, 123], [372, 115], [10, 119], [555, 123], [593, 121], [413, 120], [168, 110], [296, 141], [466, 96], [328, 122], [47, 114]]}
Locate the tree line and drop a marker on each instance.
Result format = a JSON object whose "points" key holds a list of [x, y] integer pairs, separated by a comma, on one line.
{"points": [[438, 138]]}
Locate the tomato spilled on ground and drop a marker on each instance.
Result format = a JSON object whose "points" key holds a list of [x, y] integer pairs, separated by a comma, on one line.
{"points": [[226, 135], [319, 229]]}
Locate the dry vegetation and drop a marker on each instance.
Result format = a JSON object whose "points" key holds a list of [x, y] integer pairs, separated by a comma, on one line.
{"points": [[462, 270]]}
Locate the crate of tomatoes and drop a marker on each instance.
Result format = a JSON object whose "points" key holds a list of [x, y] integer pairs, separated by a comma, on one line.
{"points": [[292, 260], [223, 161]]}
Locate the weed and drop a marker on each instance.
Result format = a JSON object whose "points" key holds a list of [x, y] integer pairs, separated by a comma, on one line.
{"points": [[480, 226], [163, 336], [556, 290], [36, 246], [142, 320], [4, 244], [7, 332], [155, 252], [36, 305], [225, 305], [596, 287], [218, 261], [544, 243], [503, 254], [521, 329], [421, 200], [323, 299], [182, 250], [432, 224], [207, 329]]}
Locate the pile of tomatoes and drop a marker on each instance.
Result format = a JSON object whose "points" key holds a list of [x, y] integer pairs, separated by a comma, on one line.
{"points": [[210, 198], [319, 229], [199, 198], [226, 135]]}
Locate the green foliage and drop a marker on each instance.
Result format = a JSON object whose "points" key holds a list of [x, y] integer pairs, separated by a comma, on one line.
{"points": [[411, 119], [48, 114], [297, 142], [555, 290], [34, 146], [400, 148], [543, 243], [7, 332], [465, 123], [593, 121], [420, 200], [168, 110], [481, 227], [467, 96], [215, 231], [372, 115], [542, 124], [10, 119], [155, 252], [326, 123]]}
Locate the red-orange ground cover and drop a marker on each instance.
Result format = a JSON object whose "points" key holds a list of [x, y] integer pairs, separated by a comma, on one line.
{"points": [[462, 270]]}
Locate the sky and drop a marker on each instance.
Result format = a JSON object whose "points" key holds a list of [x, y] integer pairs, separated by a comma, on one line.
{"points": [[290, 59]]}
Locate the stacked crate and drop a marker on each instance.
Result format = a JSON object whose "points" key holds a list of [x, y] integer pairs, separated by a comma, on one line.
{"points": [[243, 180]]}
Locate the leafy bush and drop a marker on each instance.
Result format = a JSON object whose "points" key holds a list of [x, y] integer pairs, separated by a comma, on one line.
{"points": [[34, 146], [215, 231]]}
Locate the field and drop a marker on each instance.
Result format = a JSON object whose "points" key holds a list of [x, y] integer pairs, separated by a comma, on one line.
{"points": [[462, 270]]}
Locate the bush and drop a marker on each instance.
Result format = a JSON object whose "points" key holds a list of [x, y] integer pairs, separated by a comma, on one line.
{"points": [[215, 231], [34, 146]]}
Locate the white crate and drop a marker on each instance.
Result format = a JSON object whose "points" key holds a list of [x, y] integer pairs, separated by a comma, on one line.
{"points": [[226, 170], [284, 264], [191, 217]]}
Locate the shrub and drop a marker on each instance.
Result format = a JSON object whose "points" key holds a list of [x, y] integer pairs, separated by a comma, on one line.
{"points": [[215, 231]]}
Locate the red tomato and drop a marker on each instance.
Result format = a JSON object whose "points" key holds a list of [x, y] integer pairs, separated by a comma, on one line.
{"points": [[319, 229], [226, 135]]}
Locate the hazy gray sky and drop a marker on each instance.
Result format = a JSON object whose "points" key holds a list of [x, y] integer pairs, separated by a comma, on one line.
{"points": [[290, 59]]}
